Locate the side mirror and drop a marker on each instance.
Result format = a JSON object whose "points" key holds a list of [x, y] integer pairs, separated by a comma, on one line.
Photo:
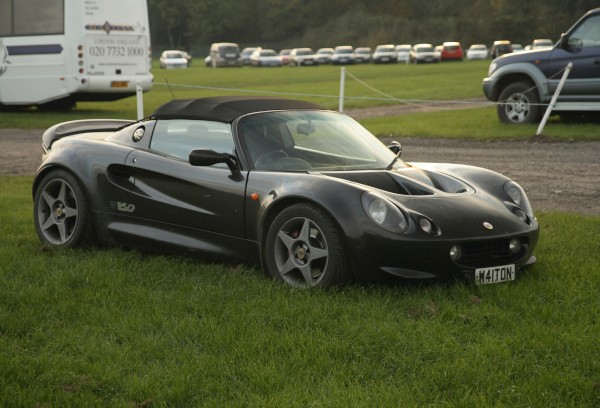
{"points": [[396, 148], [205, 157]]}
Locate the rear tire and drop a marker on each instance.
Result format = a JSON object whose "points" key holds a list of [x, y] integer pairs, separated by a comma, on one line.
{"points": [[519, 103], [61, 212], [304, 249]]}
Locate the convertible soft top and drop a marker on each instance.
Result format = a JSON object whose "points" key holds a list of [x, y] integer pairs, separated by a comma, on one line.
{"points": [[226, 108]]}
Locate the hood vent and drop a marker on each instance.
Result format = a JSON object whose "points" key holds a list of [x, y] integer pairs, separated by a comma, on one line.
{"points": [[410, 181]]}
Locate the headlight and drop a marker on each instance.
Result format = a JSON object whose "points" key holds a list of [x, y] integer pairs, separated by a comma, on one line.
{"points": [[517, 195], [492, 68], [383, 213]]}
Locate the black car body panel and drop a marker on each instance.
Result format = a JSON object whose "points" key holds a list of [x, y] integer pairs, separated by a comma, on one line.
{"points": [[142, 193]]}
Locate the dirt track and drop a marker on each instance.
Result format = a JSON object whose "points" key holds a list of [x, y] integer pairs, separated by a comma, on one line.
{"points": [[556, 176]]}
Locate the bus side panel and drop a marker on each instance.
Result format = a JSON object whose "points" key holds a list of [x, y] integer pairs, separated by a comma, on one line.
{"points": [[33, 70]]}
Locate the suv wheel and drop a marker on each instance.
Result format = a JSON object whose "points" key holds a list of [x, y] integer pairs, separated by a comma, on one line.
{"points": [[519, 103]]}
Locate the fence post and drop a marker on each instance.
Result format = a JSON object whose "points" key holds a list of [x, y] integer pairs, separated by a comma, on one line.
{"points": [[342, 85], [139, 92], [554, 98]]}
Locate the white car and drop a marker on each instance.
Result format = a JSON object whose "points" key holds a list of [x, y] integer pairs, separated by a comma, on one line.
{"points": [[324, 55], [303, 56], [173, 59], [403, 53], [385, 54], [541, 44], [362, 54], [477, 51], [262, 57], [422, 53], [343, 54]]}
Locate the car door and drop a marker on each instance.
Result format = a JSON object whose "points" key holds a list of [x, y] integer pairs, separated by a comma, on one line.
{"points": [[583, 51], [170, 191]]}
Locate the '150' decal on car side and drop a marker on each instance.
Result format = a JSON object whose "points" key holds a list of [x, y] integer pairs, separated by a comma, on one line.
{"points": [[123, 207]]}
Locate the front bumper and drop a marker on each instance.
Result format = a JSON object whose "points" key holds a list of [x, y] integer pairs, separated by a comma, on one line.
{"points": [[421, 258]]}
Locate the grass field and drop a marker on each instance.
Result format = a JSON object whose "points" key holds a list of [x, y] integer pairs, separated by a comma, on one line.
{"points": [[366, 86], [121, 328]]}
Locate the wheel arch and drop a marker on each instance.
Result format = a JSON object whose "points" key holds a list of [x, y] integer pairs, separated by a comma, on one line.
{"points": [[273, 210], [520, 72]]}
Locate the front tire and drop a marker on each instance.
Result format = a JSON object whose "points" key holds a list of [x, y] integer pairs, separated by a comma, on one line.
{"points": [[519, 103], [61, 212], [304, 249]]}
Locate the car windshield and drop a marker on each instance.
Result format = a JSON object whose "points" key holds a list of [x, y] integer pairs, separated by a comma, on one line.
{"points": [[385, 49], [228, 50], [174, 55], [311, 140], [268, 53], [424, 49], [344, 51]]}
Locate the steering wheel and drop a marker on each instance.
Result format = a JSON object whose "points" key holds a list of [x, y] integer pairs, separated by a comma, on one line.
{"points": [[265, 159]]}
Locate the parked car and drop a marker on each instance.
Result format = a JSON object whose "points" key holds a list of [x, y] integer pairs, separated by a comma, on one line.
{"points": [[500, 47], [521, 82], [343, 54], [285, 56], [324, 55], [303, 56], [245, 55], [385, 54], [308, 194], [452, 51], [265, 57], [173, 59], [225, 55], [422, 53], [517, 48], [477, 51], [541, 44], [403, 53], [362, 54]]}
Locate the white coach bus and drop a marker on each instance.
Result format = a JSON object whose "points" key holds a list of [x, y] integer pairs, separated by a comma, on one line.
{"points": [[54, 53]]}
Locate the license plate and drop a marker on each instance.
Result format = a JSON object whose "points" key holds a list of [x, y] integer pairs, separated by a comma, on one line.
{"points": [[119, 84], [494, 274], [385, 59]]}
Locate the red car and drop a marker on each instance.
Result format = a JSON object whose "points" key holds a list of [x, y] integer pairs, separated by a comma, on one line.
{"points": [[452, 51]]}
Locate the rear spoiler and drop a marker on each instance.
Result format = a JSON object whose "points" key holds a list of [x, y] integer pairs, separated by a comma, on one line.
{"points": [[74, 127]]}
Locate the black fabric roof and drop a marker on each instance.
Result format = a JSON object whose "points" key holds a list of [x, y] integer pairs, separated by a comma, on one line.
{"points": [[226, 108]]}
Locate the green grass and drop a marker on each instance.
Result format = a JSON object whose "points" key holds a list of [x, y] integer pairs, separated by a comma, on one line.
{"points": [[477, 124], [121, 328]]}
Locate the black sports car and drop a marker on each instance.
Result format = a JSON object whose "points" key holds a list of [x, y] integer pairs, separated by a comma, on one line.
{"points": [[307, 193]]}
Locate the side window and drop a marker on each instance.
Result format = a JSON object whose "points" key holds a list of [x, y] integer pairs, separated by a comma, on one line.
{"points": [[587, 34], [178, 137]]}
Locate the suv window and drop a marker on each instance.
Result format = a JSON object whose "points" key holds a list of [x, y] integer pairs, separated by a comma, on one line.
{"points": [[587, 34]]}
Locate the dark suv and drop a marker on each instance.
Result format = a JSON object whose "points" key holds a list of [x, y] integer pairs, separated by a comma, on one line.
{"points": [[524, 82]]}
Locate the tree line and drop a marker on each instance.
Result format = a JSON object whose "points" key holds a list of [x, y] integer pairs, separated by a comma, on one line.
{"points": [[194, 24]]}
